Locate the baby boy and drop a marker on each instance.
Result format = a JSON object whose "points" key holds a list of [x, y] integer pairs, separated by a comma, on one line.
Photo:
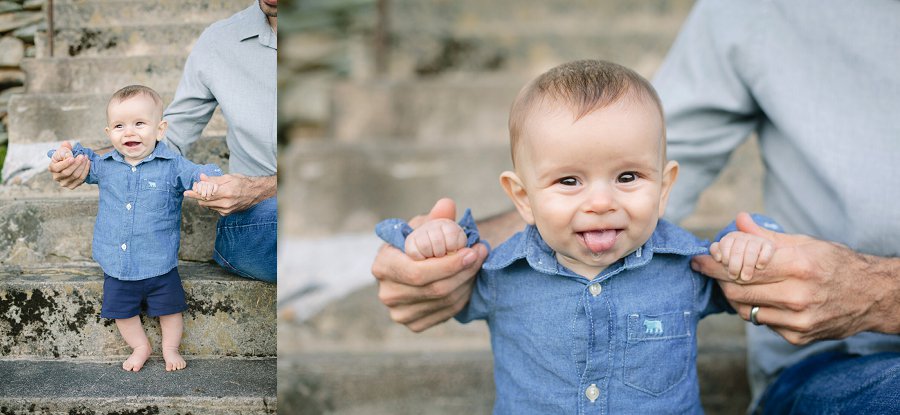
{"points": [[137, 233], [593, 308]]}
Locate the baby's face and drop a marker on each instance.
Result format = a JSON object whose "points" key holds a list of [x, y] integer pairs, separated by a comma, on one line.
{"points": [[594, 188], [134, 127]]}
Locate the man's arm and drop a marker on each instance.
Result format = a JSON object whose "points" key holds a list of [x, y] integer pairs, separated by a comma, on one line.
{"points": [[422, 294], [813, 289], [193, 104], [236, 192]]}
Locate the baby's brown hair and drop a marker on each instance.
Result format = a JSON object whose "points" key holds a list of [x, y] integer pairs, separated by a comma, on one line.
{"points": [[131, 91], [583, 86]]}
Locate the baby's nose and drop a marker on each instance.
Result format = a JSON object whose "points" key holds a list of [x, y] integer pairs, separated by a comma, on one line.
{"points": [[600, 199]]}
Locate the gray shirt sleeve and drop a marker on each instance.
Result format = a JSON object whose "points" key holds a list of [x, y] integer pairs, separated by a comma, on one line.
{"points": [[709, 109], [193, 105]]}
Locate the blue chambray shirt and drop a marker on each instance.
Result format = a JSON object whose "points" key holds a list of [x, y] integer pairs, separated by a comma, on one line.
{"points": [[622, 343], [138, 228], [627, 338]]}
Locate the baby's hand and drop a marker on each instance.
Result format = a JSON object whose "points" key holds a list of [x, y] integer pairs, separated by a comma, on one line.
{"points": [[742, 253], [205, 189], [435, 238]]}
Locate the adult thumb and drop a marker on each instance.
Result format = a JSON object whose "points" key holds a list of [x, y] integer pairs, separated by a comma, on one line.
{"points": [[745, 223], [443, 209]]}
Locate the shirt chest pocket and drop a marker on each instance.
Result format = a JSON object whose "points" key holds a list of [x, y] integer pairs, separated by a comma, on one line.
{"points": [[658, 351], [155, 195]]}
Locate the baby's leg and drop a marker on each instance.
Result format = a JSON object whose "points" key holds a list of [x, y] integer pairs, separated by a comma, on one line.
{"points": [[134, 335], [172, 326]]}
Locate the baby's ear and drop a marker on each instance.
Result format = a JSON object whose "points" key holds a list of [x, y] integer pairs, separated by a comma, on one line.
{"points": [[161, 130], [670, 173], [515, 189]]}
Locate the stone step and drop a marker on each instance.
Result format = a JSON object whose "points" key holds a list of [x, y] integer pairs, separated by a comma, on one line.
{"points": [[133, 40], [57, 230], [49, 117], [386, 384], [523, 53], [220, 386], [534, 16], [102, 74], [54, 312], [472, 111], [448, 383], [349, 187], [104, 13]]}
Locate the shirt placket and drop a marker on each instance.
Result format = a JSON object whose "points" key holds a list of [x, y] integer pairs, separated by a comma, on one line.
{"points": [[134, 181], [593, 397]]}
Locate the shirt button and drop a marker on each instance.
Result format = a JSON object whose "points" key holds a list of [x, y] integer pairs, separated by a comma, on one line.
{"points": [[592, 392], [595, 289], [123, 247], [128, 206], [133, 168]]}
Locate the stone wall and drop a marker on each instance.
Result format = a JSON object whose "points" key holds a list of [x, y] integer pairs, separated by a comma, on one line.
{"points": [[19, 21]]}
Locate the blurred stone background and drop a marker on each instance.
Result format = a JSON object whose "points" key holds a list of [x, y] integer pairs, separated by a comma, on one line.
{"points": [[386, 106], [19, 21]]}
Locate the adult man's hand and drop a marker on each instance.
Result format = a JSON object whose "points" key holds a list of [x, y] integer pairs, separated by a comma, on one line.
{"points": [[422, 294], [68, 171], [813, 289], [235, 192]]}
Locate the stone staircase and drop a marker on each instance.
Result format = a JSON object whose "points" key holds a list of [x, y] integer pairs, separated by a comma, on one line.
{"points": [[375, 130], [57, 355]]}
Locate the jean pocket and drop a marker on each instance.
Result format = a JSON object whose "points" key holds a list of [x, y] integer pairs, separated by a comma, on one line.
{"points": [[156, 195], [658, 351]]}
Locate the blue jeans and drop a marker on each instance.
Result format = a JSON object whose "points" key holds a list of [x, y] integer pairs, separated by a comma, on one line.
{"points": [[837, 383], [247, 241]]}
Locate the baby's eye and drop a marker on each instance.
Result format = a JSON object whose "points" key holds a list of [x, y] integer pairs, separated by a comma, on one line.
{"points": [[141, 123], [117, 126], [568, 181], [627, 177]]}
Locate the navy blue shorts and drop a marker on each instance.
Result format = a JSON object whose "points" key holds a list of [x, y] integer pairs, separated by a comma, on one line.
{"points": [[159, 296]]}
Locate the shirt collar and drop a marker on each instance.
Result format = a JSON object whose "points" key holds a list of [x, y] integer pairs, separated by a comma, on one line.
{"points": [[257, 26], [161, 151], [529, 245]]}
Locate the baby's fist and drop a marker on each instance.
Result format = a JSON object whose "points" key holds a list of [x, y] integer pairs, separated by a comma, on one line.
{"points": [[435, 238]]}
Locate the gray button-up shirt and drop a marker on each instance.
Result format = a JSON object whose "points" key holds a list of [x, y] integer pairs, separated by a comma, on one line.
{"points": [[233, 65], [818, 82]]}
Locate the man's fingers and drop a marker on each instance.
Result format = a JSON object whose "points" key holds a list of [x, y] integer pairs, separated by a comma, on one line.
{"points": [[58, 166], [708, 266], [420, 315], [393, 265]]}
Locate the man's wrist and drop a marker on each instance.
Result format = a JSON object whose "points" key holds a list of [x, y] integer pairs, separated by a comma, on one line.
{"points": [[262, 187], [884, 274]]}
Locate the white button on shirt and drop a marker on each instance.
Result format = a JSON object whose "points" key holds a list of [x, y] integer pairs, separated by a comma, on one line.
{"points": [[128, 206], [595, 289], [133, 169], [123, 247], [592, 392]]}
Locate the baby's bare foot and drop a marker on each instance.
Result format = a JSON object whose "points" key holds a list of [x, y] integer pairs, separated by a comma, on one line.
{"points": [[173, 359], [137, 359]]}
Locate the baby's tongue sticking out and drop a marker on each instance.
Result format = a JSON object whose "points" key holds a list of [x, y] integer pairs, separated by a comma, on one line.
{"points": [[599, 241]]}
